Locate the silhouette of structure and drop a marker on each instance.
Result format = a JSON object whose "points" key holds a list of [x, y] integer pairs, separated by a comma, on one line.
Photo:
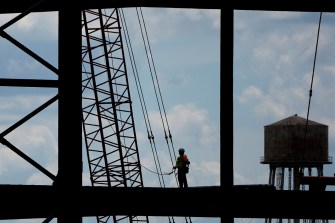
{"points": [[292, 145], [69, 201]]}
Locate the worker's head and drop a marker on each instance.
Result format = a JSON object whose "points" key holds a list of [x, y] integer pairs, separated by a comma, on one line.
{"points": [[181, 151]]}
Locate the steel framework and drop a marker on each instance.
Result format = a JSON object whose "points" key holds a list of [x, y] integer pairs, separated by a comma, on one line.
{"points": [[108, 122], [226, 201]]}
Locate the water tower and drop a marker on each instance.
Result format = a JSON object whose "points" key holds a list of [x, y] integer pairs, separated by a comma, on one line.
{"points": [[294, 144]]}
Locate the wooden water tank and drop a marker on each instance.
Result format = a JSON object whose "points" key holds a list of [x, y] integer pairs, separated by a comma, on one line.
{"points": [[295, 142]]}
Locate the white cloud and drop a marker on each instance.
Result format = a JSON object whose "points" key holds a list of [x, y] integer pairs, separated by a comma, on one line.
{"points": [[250, 94], [164, 24], [281, 15], [38, 26], [269, 107], [8, 159], [22, 102], [190, 124], [39, 179], [211, 167], [240, 179]]}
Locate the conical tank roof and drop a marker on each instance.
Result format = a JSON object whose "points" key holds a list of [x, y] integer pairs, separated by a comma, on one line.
{"points": [[295, 120]]}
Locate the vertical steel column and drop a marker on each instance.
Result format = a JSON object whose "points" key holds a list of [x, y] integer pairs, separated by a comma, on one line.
{"points": [[69, 179], [226, 104], [226, 107]]}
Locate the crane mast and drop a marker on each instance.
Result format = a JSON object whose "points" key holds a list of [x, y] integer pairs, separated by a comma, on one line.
{"points": [[108, 122]]}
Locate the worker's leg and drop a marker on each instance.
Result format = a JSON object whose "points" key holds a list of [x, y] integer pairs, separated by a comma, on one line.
{"points": [[183, 180], [180, 180]]}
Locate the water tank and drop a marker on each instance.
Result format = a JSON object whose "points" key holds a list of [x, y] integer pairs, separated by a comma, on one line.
{"points": [[295, 142]]}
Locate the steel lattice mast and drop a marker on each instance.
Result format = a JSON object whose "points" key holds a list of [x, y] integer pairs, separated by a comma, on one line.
{"points": [[108, 123]]}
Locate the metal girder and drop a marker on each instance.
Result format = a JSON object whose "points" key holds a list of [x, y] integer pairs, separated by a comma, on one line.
{"points": [[42, 202], [18, 6]]}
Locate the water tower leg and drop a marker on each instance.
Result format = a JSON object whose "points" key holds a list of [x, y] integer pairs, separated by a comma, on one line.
{"points": [[320, 170], [281, 187], [290, 178], [295, 178], [272, 175], [309, 171]]}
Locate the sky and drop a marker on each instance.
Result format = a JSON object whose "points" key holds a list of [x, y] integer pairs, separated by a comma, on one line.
{"points": [[273, 66]]}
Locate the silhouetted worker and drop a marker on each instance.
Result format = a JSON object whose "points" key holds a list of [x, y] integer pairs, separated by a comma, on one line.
{"points": [[182, 165]]}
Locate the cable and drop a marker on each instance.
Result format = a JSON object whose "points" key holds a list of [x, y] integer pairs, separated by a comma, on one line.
{"points": [[311, 86], [160, 102], [141, 97], [153, 73], [156, 86], [169, 135]]}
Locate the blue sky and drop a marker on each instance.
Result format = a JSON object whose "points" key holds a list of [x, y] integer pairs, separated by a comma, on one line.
{"points": [[273, 62]]}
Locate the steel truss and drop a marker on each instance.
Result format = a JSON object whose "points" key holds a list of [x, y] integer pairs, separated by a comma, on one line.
{"points": [[108, 123]]}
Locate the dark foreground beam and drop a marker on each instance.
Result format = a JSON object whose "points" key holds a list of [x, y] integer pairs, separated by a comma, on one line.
{"points": [[257, 201], [18, 6]]}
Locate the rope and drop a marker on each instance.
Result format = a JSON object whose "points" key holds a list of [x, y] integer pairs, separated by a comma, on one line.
{"points": [[169, 173]]}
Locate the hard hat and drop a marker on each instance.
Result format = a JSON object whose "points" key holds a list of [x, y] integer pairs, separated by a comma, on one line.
{"points": [[182, 150]]}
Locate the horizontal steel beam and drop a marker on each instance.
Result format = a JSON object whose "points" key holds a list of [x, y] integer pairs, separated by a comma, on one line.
{"points": [[249, 201], [28, 83], [18, 6]]}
